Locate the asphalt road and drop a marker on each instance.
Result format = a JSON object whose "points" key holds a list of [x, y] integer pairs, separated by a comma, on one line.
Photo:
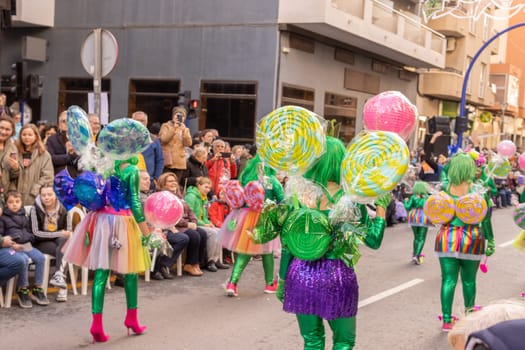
{"points": [[399, 305]]}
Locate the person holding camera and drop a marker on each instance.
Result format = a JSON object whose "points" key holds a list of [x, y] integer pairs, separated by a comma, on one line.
{"points": [[174, 137], [221, 165]]}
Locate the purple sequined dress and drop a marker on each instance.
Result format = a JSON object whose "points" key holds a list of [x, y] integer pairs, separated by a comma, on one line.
{"points": [[325, 287]]}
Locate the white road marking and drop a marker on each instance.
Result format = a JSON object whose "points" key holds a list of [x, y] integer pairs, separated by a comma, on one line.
{"points": [[502, 245], [389, 292]]}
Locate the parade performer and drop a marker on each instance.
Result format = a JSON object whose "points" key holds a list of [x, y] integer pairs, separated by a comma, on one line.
{"points": [[111, 236], [460, 243], [417, 219], [239, 241], [320, 249]]}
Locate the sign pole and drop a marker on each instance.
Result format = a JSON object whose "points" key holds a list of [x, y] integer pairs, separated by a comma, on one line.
{"points": [[97, 74]]}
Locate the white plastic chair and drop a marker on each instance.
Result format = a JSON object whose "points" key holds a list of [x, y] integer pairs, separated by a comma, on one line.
{"points": [[10, 286]]}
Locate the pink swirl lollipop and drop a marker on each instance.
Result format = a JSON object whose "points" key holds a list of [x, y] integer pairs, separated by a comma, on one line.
{"points": [[254, 195]]}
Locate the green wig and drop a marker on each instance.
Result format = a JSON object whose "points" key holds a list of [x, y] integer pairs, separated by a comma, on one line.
{"points": [[251, 173], [461, 169], [328, 166], [420, 187]]}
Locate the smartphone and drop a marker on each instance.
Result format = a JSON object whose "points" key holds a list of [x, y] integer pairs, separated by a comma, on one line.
{"points": [[226, 154]]}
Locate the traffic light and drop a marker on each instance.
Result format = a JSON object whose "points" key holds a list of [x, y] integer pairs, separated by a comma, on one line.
{"points": [[194, 105], [35, 85], [7, 85], [18, 77]]}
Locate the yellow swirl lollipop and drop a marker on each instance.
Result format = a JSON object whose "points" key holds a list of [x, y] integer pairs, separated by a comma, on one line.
{"points": [[471, 209], [290, 139], [374, 163], [439, 208]]}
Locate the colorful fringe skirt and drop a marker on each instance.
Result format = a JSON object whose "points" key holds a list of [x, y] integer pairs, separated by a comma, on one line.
{"points": [[416, 217], [234, 233], [326, 288], [462, 242], [110, 240]]}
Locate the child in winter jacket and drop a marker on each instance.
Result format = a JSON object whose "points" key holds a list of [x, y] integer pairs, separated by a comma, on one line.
{"points": [[15, 223]]}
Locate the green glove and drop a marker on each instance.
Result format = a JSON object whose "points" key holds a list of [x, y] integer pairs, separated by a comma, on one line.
{"points": [[145, 240], [383, 201], [491, 247], [280, 290]]}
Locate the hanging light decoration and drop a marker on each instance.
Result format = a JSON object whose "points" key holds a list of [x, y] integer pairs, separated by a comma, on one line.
{"points": [[465, 9]]}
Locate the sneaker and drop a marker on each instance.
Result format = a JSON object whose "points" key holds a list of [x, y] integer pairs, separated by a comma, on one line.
{"points": [[271, 288], [23, 298], [37, 294], [62, 295], [165, 272], [421, 258], [157, 276], [59, 280], [415, 260], [211, 267], [447, 327], [231, 290]]}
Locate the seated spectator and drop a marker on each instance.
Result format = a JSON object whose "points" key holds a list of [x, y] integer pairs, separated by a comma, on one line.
{"points": [[11, 264], [62, 153], [197, 199], [195, 168], [49, 226], [185, 234], [15, 223]]}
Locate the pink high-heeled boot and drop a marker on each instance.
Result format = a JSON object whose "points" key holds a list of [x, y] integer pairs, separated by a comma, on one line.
{"points": [[97, 329], [132, 322]]}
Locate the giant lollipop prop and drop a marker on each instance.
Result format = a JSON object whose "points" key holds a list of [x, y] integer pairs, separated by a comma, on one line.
{"points": [[390, 111], [162, 210], [290, 139], [373, 164]]}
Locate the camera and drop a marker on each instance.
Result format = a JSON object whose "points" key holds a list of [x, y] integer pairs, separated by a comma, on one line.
{"points": [[226, 154]]}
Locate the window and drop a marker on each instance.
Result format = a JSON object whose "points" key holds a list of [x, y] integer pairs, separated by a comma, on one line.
{"points": [[229, 107], [342, 108], [482, 80], [74, 91], [297, 96], [155, 97]]}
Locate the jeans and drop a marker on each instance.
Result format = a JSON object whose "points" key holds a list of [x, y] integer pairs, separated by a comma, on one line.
{"points": [[178, 242], [11, 264], [39, 260]]}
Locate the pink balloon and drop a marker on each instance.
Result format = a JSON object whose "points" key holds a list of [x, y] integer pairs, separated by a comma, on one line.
{"points": [[506, 148], [390, 111], [234, 194], [163, 209], [254, 195], [521, 161]]}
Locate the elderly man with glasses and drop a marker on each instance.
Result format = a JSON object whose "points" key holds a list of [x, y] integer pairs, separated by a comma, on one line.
{"points": [[62, 152]]}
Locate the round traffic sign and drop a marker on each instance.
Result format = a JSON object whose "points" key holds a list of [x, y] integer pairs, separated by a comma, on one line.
{"points": [[109, 52]]}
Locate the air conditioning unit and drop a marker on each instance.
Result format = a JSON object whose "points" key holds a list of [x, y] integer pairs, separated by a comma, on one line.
{"points": [[451, 44]]}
